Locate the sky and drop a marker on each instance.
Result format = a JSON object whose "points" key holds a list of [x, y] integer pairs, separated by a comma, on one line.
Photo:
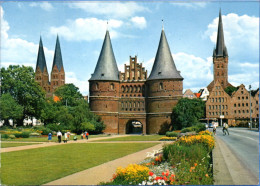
{"points": [[135, 28]]}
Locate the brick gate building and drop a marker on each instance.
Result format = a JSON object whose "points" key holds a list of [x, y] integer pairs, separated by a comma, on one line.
{"points": [[129, 102]]}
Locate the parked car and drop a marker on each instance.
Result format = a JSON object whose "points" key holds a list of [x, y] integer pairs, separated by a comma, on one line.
{"points": [[210, 125]]}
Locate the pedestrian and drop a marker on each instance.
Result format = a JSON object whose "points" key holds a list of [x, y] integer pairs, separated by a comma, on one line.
{"points": [[82, 135], [59, 134], [87, 135], [68, 135], [225, 129], [65, 137], [214, 129], [49, 136]]}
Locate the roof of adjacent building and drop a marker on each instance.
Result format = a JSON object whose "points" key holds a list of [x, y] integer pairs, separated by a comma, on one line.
{"points": [[41, 62], [164, 67], [57, 60], [106, 68], [221, 49]]}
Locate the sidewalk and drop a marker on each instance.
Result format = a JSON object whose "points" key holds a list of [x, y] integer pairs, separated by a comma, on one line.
{"points": [[227, 168], [103, 172]]}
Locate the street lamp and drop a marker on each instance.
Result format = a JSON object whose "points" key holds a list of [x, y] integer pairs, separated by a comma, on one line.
{"points": [[250, 107]]}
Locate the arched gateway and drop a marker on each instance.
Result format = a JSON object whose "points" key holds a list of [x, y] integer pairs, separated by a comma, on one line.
{"points": [[134, 127]]}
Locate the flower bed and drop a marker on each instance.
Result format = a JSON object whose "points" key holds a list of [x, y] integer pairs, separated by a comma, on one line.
{"points": [[185, 162], [168, 138]]}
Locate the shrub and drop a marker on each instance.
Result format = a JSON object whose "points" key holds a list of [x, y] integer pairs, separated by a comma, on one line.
{"points": [[4, 136], [200, 127], [12, 136], [55, 127], [34, 134], [172, 134], [25, 134], [186, 130], [18, 134], [168, 138]]}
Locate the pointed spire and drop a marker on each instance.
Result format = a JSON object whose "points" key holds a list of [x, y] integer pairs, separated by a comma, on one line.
{"points": [[164, 67], [221, 49], [57, 60], [106, 68], [41, 62]]}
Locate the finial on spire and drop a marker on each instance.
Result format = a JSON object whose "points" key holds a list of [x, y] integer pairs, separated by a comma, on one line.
{"points": [[107, 25], [162, 25]]}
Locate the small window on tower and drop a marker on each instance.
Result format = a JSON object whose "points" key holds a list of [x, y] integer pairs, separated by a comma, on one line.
{"points": [[112, 86], [161, 86], [97, 86]]}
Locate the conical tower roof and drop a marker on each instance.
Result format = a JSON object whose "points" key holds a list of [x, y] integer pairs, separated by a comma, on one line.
{"points": [[41, 62], [57, 60], [221, 49], [106, 68], [164, 67]]}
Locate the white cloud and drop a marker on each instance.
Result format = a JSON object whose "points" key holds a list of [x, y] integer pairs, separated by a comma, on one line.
{"points": [[83, 85], [139, 22], [87, 29], [190, 5], [241, 35], [44, 5], [114, 9], [16, 51]]}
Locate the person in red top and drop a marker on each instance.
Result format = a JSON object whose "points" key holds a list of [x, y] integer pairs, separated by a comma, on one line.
{"points": [[86, 134]]}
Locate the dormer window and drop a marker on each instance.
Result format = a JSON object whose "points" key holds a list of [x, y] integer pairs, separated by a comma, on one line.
{"points": [[159, 73], [102, 74]]}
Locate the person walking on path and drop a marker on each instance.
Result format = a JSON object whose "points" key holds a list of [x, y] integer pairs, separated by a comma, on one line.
{"points": [[65, 137], [82, 135], [59, 134], [214, 129], [49, 136], [86, 135], [68, 135], [225, 128]]}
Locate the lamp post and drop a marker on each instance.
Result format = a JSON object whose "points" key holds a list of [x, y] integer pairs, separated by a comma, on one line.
{"points": [[220, 112], [250, 107]]}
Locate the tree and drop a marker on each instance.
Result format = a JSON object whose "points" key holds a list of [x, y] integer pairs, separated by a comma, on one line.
{"points": [[187, 112], [68, 94], [10, 109], [230, 89], [19, 82]]}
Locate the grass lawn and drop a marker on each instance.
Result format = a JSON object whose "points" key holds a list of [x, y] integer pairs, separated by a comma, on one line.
{"points": [[135, 138], [42, 165], [45, 139], [6, 145]]}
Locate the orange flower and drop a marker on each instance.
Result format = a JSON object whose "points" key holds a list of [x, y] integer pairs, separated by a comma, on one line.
{"points": [[195, 164], [165, 178], [207, 175]]}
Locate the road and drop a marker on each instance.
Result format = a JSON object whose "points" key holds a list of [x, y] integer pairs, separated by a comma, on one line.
{"points": [[245, 145]]}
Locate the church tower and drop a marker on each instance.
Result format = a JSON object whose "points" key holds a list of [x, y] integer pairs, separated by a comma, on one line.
{"points": [[163, 88], [57, 72], [41, 71], [104, 87], [220, 59]]}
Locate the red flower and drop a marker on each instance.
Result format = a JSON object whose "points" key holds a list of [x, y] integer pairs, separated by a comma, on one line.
{"points": [[163, 173], [167, 174], [158, 178], [151, 173], [165, 178]]}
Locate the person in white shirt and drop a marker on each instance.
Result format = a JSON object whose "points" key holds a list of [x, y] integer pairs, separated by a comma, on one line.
{"points": [[65, 137], [225, 129], [59, 134]]}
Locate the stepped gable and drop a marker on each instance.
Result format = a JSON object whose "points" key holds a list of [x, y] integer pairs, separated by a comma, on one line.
{"points": [[106, 68], [164, 67], [41, 62], [57, 60]]}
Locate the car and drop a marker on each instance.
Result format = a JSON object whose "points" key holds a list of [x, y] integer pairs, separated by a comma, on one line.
{"points": [[210, 125]]}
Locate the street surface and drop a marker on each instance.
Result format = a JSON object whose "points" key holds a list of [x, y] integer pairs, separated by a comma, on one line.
{"points": [[245, 145]]}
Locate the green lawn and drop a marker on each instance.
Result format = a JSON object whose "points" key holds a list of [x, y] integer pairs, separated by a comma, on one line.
{"points": [[45, 139], [135, 138], [6, 145], [42, 165]]}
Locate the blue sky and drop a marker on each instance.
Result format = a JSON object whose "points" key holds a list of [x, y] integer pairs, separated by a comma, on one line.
{"points": [[135, 29]]}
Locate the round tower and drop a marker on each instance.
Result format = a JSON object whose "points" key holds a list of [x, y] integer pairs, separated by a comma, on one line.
{"points": [[163, 88], [104, 88]]}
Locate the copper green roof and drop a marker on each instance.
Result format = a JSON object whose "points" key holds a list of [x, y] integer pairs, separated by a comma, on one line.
{"points": [[41, 62], [106, 68], [57, 60], [164, 67]]}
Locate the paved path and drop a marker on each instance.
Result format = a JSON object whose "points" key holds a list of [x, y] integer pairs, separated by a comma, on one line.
{"points": [[47, 144], [228, 169], [103, 172]]}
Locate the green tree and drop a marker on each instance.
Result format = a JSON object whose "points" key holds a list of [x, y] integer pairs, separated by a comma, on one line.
{"points": [[230, 89], [68, 94], [10, 109], [20, 83], [187, 112]]}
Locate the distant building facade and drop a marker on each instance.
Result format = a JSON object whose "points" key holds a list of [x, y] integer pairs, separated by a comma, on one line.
{"points": [[57, 73], [129, 102], [234, 108], [189, 94]]}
